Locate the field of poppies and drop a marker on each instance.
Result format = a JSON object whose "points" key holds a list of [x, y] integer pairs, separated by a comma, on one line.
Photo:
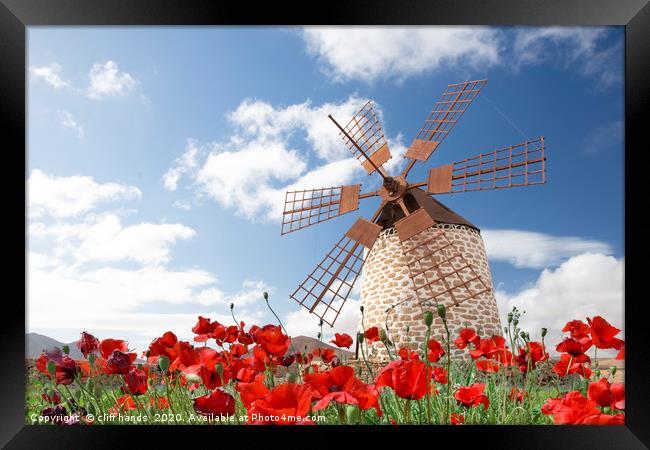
{"points": [[253, 375]]}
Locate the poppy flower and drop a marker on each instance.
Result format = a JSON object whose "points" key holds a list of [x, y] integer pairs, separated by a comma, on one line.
{"points": [[164, 345], [621, 353], [578, 329], [57, 414], [107, 346], [472, 396], [406, 355], [87, 344], [457, 419], [66, 367], [244, 338], [435, 350], [516, 395], [211, 368], [605, 419], [440, 375], [206, 329], [249, 392], [124, 403], [533, 356], [408, 379], [217, 403], [120, 362], [325, 354], [487, 365], [486, 348], [602, 334], [238, 350], [272, 340], [467, 336], [136, 380], [286, 404], [571, 409], [371, 335], [342, 340], [566, 366], [286, 361], [604, 394], [575, 348]]}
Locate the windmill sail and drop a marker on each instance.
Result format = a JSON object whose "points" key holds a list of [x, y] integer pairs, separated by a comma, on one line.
{"points": [[517, 165], [448, 110], [312, 206], [365, 130], [440, 273], [328, 286]]}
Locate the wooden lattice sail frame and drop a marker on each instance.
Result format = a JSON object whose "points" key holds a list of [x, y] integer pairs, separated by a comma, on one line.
{"points": [[438, 270]]}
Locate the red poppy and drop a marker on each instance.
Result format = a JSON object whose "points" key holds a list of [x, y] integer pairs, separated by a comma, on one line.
{"points": [[183, 355], [604, 394], [217, 403], [244, 338], [325, 354], [408, 379], [457, 419], [435, 350], [578, 329], [206, 329], [232, 333], [440, 375], [575, 348], [55, 398], [534, 355], [238, 350], [566, 366], [286, 404], [107, 346], [371, 335], [87, 344], [164, 346], [120, 362], [136, 380], [286, 361], [516, 395], [66, 367], [249, 392], [472, 396], [211, 368], [487, 365], [605, 419], [467, 336], [124, 403], [571, 409], [272, 340], [602, 334], [486, 348], [342, 340], [405, 354], [621, 354]]}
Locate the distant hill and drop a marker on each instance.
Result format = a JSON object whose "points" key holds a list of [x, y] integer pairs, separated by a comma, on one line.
{"points": [[36, 343], [299, 343]]}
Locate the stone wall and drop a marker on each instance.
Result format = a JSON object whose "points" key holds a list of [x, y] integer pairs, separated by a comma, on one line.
{"points": [[386, 282]]}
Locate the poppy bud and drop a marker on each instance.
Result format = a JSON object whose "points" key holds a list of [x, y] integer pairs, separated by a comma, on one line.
{"points": [[163, 363], [232, 306], [361, 308], [597, 372], [266, 296], [360, 338], [428, 318], [442, 312], [516, 322], [382, 335], [51, 367], [66, 349], [612, 370], [193, 378], [320, 323], [544, 331], [318, 335], [509, 317]]}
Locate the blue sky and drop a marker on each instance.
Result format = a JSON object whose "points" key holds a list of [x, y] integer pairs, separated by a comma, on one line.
{"points": [[157, 158]]}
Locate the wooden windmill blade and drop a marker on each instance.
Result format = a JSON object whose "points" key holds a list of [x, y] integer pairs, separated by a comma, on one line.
{"points": [[448, 110], [328, 286], [439, 271], [363, 134], [312, 206], [517, 165]]}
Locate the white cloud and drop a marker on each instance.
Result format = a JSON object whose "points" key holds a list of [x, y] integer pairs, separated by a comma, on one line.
{"points": [[62, 197], [605, 137], [578, 47], [302, 323], [251, 170], [69, 122], [529, 249], [370, 53], [50, 74], [107, 80], [586, 285]]}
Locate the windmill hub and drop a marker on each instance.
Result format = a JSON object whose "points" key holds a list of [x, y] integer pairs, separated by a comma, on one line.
{"points": [[393, 189]]}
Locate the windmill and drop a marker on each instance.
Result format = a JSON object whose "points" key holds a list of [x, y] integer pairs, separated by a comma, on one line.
{"points": [[422, 229]]}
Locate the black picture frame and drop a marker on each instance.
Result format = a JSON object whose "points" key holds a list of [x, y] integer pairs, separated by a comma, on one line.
{"points": [[634, 15]]}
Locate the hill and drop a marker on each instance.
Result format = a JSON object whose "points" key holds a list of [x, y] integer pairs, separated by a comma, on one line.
{"points": [[35, 343]]}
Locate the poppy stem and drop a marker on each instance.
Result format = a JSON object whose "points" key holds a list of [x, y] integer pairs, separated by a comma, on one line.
{"points": [[428, 382]]}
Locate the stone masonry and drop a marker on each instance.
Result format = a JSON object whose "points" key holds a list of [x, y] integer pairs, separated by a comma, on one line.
{"points": [[386, 282]]}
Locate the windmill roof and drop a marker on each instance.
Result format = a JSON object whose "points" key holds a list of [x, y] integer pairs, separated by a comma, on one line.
{"points": [[438, 211]]}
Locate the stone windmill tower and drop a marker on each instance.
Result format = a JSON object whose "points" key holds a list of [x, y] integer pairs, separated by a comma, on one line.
{"points": [[414, 253]]}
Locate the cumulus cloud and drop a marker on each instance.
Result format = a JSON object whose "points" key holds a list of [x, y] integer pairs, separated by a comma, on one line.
{"points": [[107, 80], [573, 47], [529, 249], [370, 53], [50, 74], [251, 170], [586, 285], [68, 122], [61, 197]]}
